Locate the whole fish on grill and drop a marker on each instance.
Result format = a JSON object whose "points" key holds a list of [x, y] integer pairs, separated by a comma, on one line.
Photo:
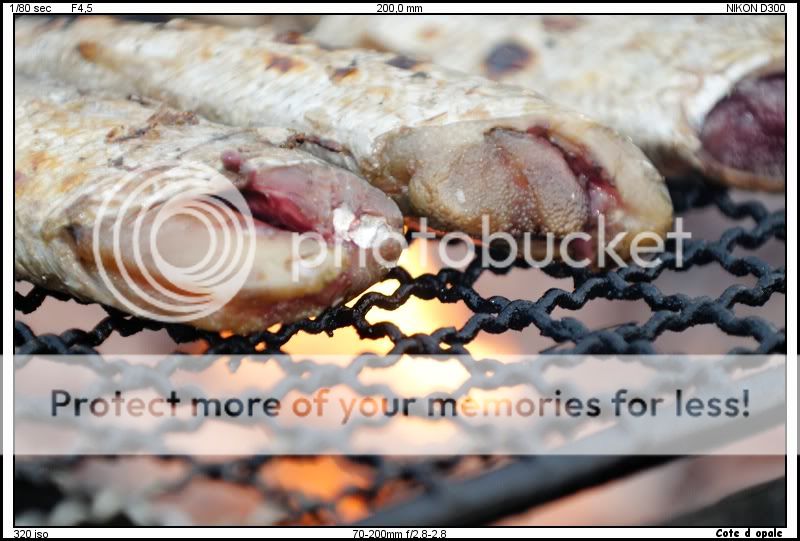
{"points": [[73, 149]]}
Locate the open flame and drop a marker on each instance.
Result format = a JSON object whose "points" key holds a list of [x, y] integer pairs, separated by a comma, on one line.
{"points": [[324, 477], [414, 316]]}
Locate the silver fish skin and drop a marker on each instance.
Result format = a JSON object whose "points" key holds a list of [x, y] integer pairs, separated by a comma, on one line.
{"points": [[449, 147], [73, 148]]}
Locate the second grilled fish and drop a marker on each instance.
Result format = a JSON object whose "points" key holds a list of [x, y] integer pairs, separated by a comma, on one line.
{"points": [[703, 92]]}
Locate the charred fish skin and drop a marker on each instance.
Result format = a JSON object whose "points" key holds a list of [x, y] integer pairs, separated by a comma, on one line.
{"points": [[657, 79], [411, 128], [73, 149]]}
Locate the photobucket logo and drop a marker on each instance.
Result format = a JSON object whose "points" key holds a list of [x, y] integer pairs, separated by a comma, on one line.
{"points": [[173, 241], [579, 249]]}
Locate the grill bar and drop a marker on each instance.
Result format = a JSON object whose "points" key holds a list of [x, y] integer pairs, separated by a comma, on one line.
{"points": [[526, 483]]}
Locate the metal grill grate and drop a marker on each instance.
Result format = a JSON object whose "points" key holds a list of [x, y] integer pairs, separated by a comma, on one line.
{"points": [[453, 490]]}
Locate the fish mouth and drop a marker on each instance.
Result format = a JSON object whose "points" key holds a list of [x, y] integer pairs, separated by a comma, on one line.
{"points": [[320, 199], [743, 137]]}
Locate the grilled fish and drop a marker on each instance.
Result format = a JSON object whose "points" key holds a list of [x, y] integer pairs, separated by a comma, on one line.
{"points": [[96, 174]]}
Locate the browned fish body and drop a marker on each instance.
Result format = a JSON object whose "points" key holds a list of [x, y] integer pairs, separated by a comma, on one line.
{"points": [[95, 177]]}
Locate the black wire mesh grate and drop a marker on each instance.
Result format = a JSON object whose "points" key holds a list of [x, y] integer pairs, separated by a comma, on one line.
{"points": [[433, 490]]}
